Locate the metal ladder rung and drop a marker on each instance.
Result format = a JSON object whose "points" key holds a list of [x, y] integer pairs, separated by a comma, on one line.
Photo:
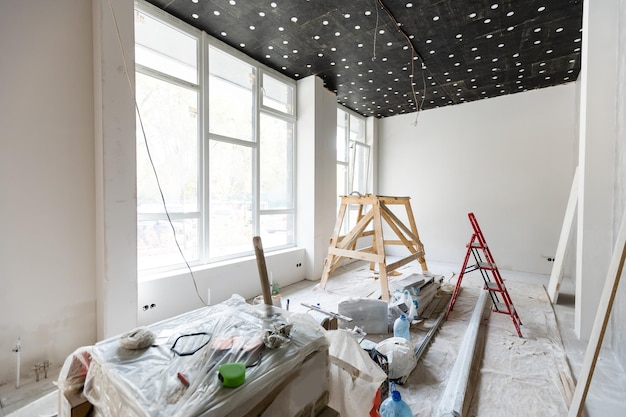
{"points": [[486, 265], [502, 308], [477, 245], [493, 286]]}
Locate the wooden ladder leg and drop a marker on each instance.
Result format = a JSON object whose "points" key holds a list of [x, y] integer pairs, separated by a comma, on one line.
{"points": [[378, 244], [330, 258], [418, 243]]}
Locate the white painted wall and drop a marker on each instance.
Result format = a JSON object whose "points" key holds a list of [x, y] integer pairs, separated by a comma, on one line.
{"points": [[176, 294], [510, 160], [116, 172], [47, 207], [597, 143], [618, 324], [316, 172]]}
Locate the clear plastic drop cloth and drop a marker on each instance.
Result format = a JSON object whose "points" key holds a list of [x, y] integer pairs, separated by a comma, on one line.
{"points": [[177, 376]]}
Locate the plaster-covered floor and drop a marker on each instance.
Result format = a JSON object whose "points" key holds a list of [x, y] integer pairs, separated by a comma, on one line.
{"points": [[518, 377]]}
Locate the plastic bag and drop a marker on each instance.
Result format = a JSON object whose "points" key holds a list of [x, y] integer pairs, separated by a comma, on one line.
{"points": [[354, 376], [400, 354], [74, 371]]}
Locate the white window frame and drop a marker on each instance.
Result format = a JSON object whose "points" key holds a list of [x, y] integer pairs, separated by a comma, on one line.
{"points": [[204, 42]]}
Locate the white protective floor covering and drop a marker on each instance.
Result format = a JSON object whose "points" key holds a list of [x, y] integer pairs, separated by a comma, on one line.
{"points": [[517, 376], [514, 376]]}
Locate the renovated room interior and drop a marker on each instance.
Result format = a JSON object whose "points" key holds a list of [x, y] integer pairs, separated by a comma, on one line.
{"points": [[68, 168]]}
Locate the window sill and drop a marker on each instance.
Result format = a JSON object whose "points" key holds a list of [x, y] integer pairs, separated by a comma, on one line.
{"points": [[151, 276]]}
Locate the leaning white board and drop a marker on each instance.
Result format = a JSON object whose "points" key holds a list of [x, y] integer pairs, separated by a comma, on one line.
{"points": [[599, 326], [566, 230]]}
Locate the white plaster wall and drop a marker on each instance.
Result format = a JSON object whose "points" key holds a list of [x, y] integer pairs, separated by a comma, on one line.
{"points": [[597, 144], [618, 325], [316, 172], [176, 294], [509, 160], [47, 286]]}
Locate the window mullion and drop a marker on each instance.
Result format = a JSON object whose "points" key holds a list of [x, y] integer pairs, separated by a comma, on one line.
{"points": [[204, 138]]}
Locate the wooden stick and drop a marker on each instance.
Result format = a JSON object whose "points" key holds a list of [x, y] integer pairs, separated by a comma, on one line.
{"points": [[599, 326], [260, 262]]}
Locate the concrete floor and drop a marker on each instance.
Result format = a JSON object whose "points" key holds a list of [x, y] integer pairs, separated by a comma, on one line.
{"points": [[39, 399]]}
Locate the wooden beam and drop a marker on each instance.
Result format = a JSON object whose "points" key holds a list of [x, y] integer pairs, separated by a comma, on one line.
{"points": [[404, 261], [364, 255], [397, 221], [356, 232], [260, 262], [410, 245], [601, 321]]}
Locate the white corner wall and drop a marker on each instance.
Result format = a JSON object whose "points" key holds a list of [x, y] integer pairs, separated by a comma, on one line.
{"points": [[47, 263], [509, 160], [316, 172], [618, 325]]}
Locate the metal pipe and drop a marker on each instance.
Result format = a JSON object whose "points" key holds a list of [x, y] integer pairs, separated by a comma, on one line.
{"points": [[36, 369], [18, 350], [453, 398]]}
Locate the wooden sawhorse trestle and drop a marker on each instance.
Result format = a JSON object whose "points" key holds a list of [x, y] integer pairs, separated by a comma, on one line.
{"points": [[374, 209]]}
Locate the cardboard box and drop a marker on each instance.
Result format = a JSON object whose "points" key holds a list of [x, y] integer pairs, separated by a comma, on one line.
{"points": [[74, 405]]}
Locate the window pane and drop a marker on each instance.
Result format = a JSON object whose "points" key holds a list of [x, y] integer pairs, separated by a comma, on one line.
{"points": [[231, 96], [360, 165], [342, 140], [165, 49], [230, 199], [357, 128], [276, 176], [277, 230], [156, 246], [277, 95], [169, 114]]}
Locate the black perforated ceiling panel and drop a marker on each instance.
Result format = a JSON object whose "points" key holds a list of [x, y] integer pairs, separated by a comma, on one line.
{"points": [[388, 57]]}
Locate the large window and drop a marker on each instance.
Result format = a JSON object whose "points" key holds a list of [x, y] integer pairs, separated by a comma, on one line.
{"points": [[215, 148], [352, 160]]}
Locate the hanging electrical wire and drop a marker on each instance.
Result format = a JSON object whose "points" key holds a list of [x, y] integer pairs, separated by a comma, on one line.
{"points": [[145, 139], [414, 55]]}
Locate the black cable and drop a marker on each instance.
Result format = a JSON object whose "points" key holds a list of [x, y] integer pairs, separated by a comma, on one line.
{"points": [[145, 138]]}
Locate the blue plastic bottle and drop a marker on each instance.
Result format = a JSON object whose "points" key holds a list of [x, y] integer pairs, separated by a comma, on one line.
{"points": [[394, 406], [401, 328]]}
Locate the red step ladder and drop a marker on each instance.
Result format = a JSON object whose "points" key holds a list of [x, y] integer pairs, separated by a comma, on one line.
{"points": [[485, 263]]}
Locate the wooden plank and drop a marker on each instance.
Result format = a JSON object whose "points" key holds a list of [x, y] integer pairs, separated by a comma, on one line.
{"points": [[392, 200], [380, 250], [561, 249], [420, 246], [368, 199], [356, 232], [397, 221], [410, 245], [404, 261], [600, 324], [337, 230], [365, 255]]}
